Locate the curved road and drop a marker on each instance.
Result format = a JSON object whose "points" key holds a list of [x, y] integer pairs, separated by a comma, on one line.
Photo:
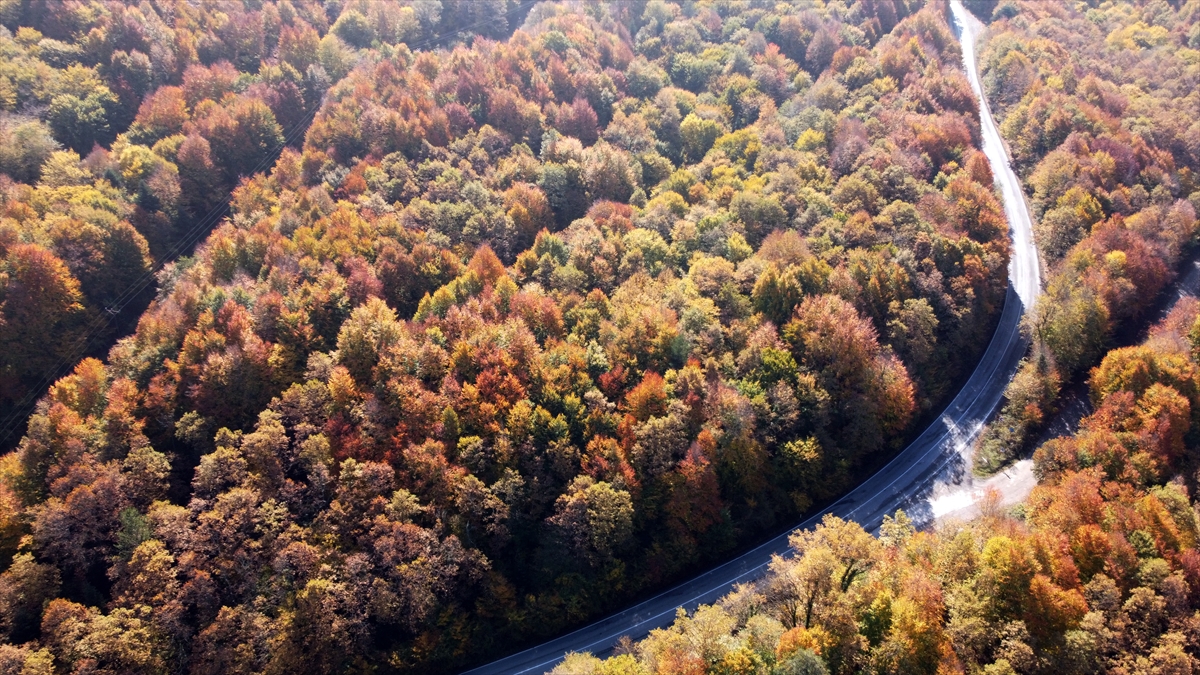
{"points": [[940, 455]]}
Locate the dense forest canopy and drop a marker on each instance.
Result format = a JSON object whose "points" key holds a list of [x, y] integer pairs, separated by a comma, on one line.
{"points": [[125, 125], [1101, 121], [1098, 571], [525, 326], [122, 125]]}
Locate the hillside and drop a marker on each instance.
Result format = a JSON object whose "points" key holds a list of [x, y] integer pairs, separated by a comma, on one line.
{"points": [[1100, 122], [1097, 571], [523, 328]]}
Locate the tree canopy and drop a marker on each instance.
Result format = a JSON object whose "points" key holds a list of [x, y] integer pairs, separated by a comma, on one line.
{"points": [[1096, 572], [519, 313]]}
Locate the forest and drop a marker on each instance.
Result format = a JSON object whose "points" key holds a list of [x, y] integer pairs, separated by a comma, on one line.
{"points": [[500, 315], [124, 127], [1108, 149], [1098, 571]]}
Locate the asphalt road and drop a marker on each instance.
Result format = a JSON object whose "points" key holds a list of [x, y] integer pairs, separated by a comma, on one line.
{"points": [[939, 454]]}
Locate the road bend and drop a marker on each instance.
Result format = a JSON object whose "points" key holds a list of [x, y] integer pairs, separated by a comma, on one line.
{"points": [[941, 454]]}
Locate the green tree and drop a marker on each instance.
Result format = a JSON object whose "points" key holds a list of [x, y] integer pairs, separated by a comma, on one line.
{"points": [[24, 148], [80, 111], [371, 330], [698, 136], [595, 518]]}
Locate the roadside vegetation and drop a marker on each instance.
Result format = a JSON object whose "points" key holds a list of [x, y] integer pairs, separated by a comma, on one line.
{"points": [[1098, 107], [523, 328], [522, 322], [1097, 572]]}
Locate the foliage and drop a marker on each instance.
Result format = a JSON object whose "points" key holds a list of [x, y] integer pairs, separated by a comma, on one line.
{"points": [[1098, 110], [144, 108], [1098, 572], [508, 339], [159, 112]]}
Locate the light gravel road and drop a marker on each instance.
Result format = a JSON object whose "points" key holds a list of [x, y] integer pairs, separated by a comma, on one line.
{"points": [[919, 475]]}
